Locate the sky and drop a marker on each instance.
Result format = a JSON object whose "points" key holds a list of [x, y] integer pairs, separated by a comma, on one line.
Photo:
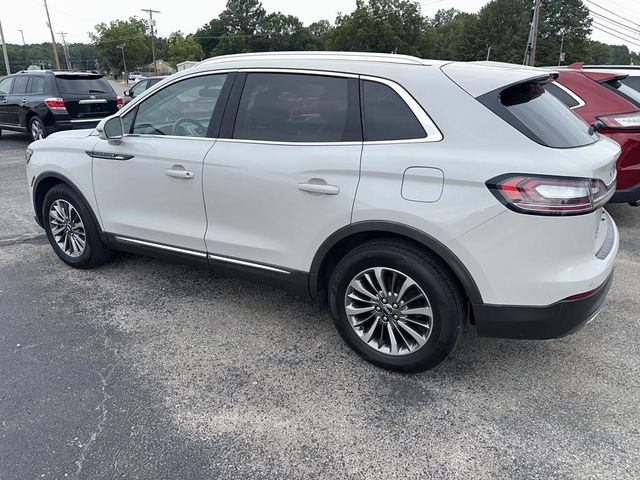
{"points": [[78, 17]]}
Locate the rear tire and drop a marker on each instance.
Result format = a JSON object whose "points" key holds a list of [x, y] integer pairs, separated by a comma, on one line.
{"points": [[37, 130], [408, 329], [71, 230]]}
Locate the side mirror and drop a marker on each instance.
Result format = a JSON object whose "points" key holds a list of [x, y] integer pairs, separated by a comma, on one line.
{"points": [[127, 93], [111, 129]]}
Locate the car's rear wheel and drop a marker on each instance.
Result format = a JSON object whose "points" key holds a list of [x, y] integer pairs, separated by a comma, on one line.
{"points": [[71, 230], [396, 305], [37, 131]]}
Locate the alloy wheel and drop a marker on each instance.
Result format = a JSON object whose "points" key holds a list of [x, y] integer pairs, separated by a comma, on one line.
{"points": [[389, 311], [67, 228], [37, 130]]}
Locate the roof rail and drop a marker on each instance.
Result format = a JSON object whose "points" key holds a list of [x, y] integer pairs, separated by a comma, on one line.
{"points": [[328, 55]]}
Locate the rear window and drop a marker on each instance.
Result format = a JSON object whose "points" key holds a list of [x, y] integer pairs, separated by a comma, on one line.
{"points": [[624, 90], [561, 95], [83, 84], [529, 108]]}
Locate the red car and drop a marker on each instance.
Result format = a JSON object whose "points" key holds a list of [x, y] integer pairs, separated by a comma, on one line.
{"points": [[601, 99]]}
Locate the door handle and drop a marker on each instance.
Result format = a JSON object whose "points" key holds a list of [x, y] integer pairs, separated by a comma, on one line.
{"points": [[24, 100], [178, 171], [319, 188]]}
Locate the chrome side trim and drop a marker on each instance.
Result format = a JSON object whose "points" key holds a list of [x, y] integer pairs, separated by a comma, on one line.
{"points": [[86, 120], [108, 155], [235, 261], [433, 133], [162, 247], [290, 144], [93, 100]]}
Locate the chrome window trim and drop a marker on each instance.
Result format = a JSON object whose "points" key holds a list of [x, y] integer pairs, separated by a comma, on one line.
{"points": [[86, 120], [169, 137], [581, 103], [194, 253], [235, 261], [433, 133]]}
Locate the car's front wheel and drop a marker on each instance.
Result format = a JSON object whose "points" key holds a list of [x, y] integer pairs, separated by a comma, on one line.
{"points": [[71, 229], [37, 131], [396, 305]]}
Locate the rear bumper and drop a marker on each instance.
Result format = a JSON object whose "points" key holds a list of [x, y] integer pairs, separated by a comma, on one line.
{"points": [[74, 124], [627, 195], [539, 323]]}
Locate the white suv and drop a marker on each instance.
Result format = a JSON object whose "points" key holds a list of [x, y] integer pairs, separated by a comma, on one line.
{"points": [[409, 196]]}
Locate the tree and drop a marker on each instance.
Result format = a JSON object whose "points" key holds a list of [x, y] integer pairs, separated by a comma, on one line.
{"points": [[208, 36], [320, 31], [242, 16], [181, 48], [379, 26], [449, 35], [132, 33], [570, 17], [283, 32]]}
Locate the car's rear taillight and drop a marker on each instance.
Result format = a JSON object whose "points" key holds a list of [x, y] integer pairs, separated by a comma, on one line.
{"points": [[549, 195], [119, 102], [619, 121], [54, 102]]}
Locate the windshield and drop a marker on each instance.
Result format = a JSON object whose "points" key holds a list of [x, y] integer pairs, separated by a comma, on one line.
{"points": [[83, 84], [532, 110]]}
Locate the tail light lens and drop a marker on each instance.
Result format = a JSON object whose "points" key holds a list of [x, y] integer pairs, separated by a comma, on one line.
{"points": [[119, 102], [548, 195], [621, 121], [54, 102]]}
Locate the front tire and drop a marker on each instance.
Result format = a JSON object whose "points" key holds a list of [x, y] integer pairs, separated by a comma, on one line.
{"points": [[37, 130], [396, 305], [71, 230]]}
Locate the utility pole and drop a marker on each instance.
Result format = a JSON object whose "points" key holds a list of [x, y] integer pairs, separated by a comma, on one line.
{"points": [[532, 41], [561, 56], [53, 38], [151, 24], [65, 49], [4, 51], [124, 60], [22, 34], [488, 53]]}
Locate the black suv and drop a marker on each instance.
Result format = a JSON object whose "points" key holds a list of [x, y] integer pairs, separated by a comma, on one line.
{"points": [[41, 102]]}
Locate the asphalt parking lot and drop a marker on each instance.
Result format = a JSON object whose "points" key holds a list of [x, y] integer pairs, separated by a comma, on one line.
{"points": [[146, 370]]}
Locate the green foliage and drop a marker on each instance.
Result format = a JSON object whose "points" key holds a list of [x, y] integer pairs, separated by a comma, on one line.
{"points": [[379, 26], [181, 48], [501, 27], [132, 33]]}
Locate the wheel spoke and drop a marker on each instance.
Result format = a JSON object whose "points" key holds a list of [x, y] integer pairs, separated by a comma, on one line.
{"points": [[351, 310], [359, 287], [358, 298], [420, 340], [408, 283], [392, 340], [418, 311], [369, 333], [379, 273]]}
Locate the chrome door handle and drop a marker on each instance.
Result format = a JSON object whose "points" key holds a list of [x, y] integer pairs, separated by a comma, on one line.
{"points": [[319, 188], [178, 171], [24, 100]]}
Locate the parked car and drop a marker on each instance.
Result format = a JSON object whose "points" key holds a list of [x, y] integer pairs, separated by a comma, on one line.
{"points": [[135, 76], [603, 99], [409, 196], [40, 102], [631, 72], [140, 87]]}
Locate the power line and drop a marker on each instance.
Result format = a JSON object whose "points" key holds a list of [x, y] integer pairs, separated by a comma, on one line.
{"points": [[601, 29], [605, 18], [612, 12], [618, 32]]}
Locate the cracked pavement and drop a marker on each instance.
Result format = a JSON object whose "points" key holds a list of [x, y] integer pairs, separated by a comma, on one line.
{"points": [[146, 370]]}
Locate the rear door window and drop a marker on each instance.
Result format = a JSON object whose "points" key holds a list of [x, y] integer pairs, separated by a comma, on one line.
{"points": [[36, 85], [83, 84], [285, 107], [387, 116], [20, 85], [529, 108]]}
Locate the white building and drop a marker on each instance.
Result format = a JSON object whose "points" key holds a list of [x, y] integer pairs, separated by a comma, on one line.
{"points": [[185, 65]]}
